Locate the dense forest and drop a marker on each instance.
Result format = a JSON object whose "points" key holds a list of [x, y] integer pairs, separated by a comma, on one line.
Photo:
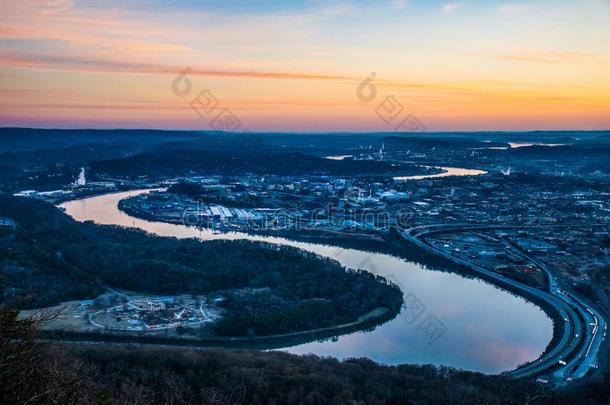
{"points": [[196, 191], [230, 162], [51, 258]]}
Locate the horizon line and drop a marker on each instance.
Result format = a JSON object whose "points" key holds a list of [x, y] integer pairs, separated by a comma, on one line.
{"points": [[346, 132]]}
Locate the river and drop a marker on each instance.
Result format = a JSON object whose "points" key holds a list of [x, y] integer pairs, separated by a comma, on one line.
{"points": [[485, 328], [447, 172]]}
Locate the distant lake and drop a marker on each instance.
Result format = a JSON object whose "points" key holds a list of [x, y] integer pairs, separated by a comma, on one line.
{"points": [[486, 329]]}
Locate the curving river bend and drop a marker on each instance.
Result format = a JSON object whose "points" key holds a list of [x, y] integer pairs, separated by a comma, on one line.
{"points": [[486, 328]]}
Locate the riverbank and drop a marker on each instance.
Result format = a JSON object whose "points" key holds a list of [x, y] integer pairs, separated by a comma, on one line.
{"points": [[263, 290], [392, 243], [434, 290], [367, 321]]}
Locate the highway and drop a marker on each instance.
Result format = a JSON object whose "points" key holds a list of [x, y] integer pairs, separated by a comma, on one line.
{"points": [[583, 329]]}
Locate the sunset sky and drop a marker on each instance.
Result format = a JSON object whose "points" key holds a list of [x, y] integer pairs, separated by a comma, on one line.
{"points": [[296, 65]]}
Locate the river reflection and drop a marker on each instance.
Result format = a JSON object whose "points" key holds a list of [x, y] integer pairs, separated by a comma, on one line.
{"points": [[486, 329], [447, 172]]}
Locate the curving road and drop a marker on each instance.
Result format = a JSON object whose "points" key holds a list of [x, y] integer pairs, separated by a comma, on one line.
{"points": [[583, 329]]}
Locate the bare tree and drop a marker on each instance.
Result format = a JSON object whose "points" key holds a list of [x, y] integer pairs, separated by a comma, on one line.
{"points": [[28, 374]]}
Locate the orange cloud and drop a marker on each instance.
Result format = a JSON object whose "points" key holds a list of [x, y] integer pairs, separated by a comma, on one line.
{"points": [[61, 61], [108, 66]]}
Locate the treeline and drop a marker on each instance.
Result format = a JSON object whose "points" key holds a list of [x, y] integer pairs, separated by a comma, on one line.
{"points": [[219, 376], [52, 258], [451, 142], [229, 162], [196, 191]]}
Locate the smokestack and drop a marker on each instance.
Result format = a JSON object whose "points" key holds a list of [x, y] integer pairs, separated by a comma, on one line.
{"points": [[81, 181]]}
